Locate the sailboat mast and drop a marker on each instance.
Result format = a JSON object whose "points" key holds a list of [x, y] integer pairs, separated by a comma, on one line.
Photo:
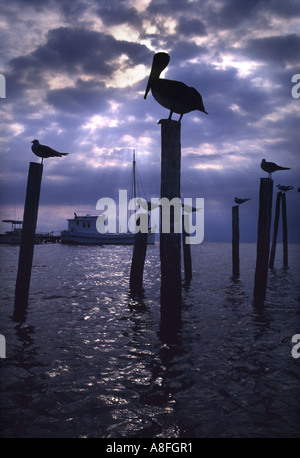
{"points": [[134, 180]]}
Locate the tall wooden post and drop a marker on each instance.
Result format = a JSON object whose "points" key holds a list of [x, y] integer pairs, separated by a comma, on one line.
{"points": [[27, 239], [284, 231], [139, 249], [276, 221], [263, 239], [187, 258], [235, 241], [138, 261], [170, 243]]}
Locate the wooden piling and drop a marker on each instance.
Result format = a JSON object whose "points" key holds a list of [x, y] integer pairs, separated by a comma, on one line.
{"points": [[284, 231], [263, 239], [274, 239], [170, 243], [235, 241], [187, 258], [27, 239], [138, 261], [139, 249]]}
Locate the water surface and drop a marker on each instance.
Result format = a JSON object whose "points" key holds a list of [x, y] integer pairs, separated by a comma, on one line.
{"points": [[89, 362]]}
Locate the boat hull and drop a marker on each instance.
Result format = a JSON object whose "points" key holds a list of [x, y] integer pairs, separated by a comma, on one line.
{"points": [[68, 237], [10, 239], [15, 239]]}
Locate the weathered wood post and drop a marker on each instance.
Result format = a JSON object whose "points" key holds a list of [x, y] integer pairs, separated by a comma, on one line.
{"points": [[276, 221], [170, 243], [187, 258], [284, 231], [139, 248], [27, 239], [235, 241], [263, 239], [138, 261]]}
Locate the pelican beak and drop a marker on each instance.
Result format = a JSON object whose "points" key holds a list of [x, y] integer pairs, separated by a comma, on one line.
{"points": [[149, 84], [159, 63]]}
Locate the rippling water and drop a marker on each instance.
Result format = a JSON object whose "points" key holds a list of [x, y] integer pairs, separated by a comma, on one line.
{"points": [[88, 361]]}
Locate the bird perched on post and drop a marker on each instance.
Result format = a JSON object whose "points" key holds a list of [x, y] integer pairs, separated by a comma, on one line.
{"points": [[173, 95], [271, 167], [44, 151], [240, 201], [283, 188]]}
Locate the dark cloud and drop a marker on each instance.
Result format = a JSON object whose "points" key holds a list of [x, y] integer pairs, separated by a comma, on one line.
{"points": [[168, 7], [84, 98], [279, 50], [112, 14], [184, 51], [190, 27], [289, 9], [252, 13], [39, 5], [234, 12], [78, 50]]}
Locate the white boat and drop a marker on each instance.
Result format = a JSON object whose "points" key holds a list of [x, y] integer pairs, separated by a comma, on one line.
{"points": [[82, 230]]}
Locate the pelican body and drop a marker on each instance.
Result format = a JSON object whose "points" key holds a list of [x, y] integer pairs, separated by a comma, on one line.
{"points": [[173, 95], [271, 167], [44, 151]]}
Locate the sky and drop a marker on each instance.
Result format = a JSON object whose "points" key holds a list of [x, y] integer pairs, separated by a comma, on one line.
{"points": [[76, 73]]}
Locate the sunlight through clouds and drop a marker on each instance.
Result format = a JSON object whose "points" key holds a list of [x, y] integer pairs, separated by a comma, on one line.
{"points": [[100, 122], [60, 81], [127, 77], [139, 5], [245, 68], [207, 165], [16, 129]]}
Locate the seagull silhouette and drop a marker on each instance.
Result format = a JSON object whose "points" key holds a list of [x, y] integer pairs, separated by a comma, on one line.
{"points": [[173, 95], [146, 205], [283, 188], [152, 206], [240, 201], [271, 167], [44, 151]]}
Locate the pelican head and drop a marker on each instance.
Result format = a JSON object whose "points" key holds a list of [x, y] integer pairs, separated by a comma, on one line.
{"points": [[160, 62]]}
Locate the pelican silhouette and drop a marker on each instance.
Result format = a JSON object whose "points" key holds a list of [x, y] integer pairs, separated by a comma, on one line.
{"points": [[271, 167], [173, 95]]}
